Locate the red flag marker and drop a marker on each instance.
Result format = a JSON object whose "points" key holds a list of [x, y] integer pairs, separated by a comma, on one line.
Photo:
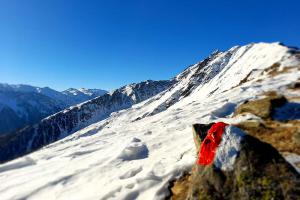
{"points": [[210, 143]]}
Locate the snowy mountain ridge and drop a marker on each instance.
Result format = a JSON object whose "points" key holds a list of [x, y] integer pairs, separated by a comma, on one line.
{"points": [[65, 97], [65, 122], [22, 105], [84, 93], [136, 152]]}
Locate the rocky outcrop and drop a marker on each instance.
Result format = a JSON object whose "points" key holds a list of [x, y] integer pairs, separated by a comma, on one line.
{"points": [[275, 120], [263, 108], [243, 168], [70, 120], [259, 170]]}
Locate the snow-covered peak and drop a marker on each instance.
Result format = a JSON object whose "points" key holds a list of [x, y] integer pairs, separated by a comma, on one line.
{"points": [[72, 91], [25, 88], [83, 93], [22, 105], [92, 92]]}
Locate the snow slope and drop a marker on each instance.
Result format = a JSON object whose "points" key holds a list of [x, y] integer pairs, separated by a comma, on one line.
{"points": [[134, 153]]}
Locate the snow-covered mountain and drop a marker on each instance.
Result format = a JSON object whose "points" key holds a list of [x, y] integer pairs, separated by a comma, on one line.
{"points": [[22, 105], [74, 118], [82, 94], [135, 153]]}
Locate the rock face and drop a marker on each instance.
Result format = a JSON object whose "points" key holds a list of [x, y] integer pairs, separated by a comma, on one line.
{"points": [[68, 121], [243, 168], [199, 133]]}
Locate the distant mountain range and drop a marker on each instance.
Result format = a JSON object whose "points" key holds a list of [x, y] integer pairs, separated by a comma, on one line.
{"points": [[66, 122], [22, 105]]}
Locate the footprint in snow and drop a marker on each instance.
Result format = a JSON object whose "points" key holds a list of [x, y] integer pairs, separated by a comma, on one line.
{"points": [[130, 186], [148, 133], [131, 173]]}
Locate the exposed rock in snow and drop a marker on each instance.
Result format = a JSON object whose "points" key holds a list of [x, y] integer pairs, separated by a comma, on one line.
{"points": [[280, 125], [244, 168], [264, 107]]}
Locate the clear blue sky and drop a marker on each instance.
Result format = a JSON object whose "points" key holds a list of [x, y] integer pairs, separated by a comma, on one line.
{"points": [[107, 44]]}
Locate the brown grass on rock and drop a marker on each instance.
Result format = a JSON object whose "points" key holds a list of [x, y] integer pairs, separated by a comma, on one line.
{"points": [[284, 136], [275, 69], [262, 107], [180, 187]]}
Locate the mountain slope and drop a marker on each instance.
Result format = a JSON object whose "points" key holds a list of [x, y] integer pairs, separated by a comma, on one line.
{"points": [[74, 118], [134, 153], [22, 105], [18, 108]]}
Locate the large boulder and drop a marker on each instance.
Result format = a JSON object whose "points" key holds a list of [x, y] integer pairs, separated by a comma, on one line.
{"points": [[264, 107], [274, 120], [243, 168]]}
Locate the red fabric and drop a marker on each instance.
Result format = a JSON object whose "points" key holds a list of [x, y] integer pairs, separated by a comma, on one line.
{"points": [[210, 143]]}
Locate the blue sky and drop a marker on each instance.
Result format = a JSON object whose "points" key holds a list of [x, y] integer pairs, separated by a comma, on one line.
{"points": [[107, 44]]}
